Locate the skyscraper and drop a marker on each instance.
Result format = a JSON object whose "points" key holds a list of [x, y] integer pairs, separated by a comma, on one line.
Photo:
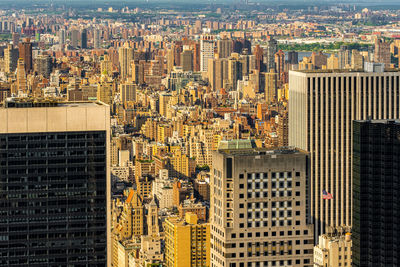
{"points": [[187, 60], [61, 36], [321, 108], [224, 48], [21, 78], [206, 52], [259, 210], [376, 232], [25, 52], [54, 169], [83, 40], [43, 65], [74, 38], [269, 54], [382, 52], [10, 58], [127, 92], [96, 38], [125, 60], [187, 241]]}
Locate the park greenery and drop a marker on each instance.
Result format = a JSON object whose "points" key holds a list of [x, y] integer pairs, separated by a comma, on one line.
{"points": [[322, 46]]}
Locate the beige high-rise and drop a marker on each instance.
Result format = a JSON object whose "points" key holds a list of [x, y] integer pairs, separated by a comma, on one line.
{"points": [[125, 55], [322, 107], [258, 209]]}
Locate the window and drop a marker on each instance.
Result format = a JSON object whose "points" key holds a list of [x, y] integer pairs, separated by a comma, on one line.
{"points": [[297, 174], [241, 195], [241, 205], [297, 213], [281, 233], [241, 225], [273, 233], [249, 235], [241, 215], [233, 235], [241, 186], [306, 232], [297, 193], [297, 203], [297, 183], [241, 176]]}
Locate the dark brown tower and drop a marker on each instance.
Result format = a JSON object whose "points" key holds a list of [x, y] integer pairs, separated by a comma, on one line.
{"points": [[25, 52]]}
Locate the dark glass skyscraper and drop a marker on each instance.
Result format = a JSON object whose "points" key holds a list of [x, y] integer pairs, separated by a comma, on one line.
{"points": [[84, 39], [376, 187], [53, 184]]}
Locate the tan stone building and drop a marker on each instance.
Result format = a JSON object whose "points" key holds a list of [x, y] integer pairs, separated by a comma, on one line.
{"points": [[258, 212], [333, 250]]}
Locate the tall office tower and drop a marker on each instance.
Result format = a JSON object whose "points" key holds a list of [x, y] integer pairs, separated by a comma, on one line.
{"points": [[43, 65], [206, 52], [22, 87], [270, 81], [105, 92], [187, 60], [382, 52], [55, 182], [25, 52], [280, 62], [15, 39], [376, 231], [125, 55], [259, 207], [344, 57], [11, 55], [269, 54], [283, 129], [258, 54], [234, 72], [163, 103], [217, 72], [293, 57], [224, 48], [357, 60], [83, 39], [321, 108], [187, 242], [170, 60], [61, 36], [196, 57], [74, 38], [178, 48], [96, 38], [127, 92]]}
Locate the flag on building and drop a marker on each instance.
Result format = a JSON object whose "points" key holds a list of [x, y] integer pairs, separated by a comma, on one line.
{"points": [[326, 195]]}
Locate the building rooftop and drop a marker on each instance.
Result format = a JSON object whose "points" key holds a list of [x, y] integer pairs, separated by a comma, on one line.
{"points": [[388, 121], [252, 151], [341, 71], [16, 102]]}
